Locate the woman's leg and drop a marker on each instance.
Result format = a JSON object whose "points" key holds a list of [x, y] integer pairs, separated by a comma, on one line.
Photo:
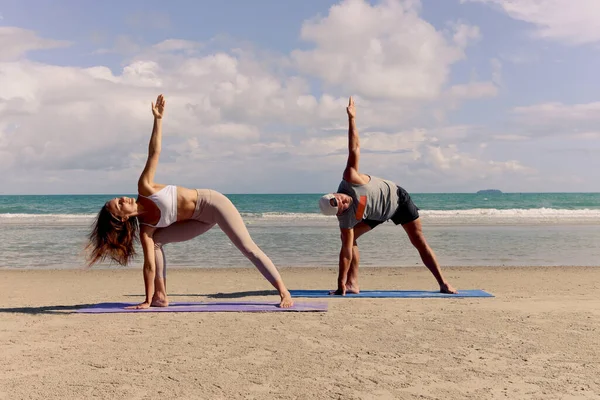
{"points": [[177, 232], [231, 222]]}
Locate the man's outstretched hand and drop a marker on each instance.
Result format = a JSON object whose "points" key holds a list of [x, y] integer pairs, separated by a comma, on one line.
{"points": [[350, 109]]}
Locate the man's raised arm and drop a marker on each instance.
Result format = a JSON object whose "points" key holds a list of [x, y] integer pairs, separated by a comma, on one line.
{"points": [[351, 172]]}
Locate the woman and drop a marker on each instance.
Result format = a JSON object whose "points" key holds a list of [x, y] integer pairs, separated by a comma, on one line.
{"points": [[166, 214]]}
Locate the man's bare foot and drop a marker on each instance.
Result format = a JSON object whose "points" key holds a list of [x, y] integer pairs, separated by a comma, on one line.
{"points": [[286, 300], [352, 288], [447, 288], [160, 301], [338, 292]]}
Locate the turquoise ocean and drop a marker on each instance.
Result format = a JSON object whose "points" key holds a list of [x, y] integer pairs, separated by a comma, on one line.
{"points": [[464, 229]]}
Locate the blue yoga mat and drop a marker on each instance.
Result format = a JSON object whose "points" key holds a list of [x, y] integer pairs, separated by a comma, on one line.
{"points": [[393, 293]]}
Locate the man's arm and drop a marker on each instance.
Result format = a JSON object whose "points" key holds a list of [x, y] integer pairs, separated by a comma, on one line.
{"points": [[347, 236], [351, 173]]}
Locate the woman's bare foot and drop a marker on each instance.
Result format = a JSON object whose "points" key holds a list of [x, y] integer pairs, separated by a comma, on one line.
{"points": [[447, 288], [159, 300], [286, 300]]}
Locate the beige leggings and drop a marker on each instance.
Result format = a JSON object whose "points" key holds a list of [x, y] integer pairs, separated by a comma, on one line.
{"points": [[214, 208]]}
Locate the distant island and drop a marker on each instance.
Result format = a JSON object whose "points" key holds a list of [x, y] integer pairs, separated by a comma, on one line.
{"points": [[489, 191]]}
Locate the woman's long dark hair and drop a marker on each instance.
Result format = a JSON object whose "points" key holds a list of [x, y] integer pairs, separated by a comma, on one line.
{"points": [[112, 238]]}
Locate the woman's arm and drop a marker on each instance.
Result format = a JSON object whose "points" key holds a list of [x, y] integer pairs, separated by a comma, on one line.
{"points": [[149, 267], [146, 181]]}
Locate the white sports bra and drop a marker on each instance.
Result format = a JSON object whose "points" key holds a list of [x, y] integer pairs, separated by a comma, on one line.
{"points": [[166, 201]]}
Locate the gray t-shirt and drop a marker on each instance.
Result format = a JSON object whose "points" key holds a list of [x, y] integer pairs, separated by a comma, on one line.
{"points": [[376, 200]]}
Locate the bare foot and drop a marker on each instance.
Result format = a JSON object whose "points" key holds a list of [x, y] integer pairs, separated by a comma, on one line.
{"points": [[447, 288], [339, 292], [160, 301], [286, 300], [352, 288], [138, 306]]}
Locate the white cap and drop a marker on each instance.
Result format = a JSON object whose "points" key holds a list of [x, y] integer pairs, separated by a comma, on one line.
{"points": [[325, 205]]}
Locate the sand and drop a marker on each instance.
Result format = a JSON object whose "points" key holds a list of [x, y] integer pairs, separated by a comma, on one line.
{"points": [[538, 339]]}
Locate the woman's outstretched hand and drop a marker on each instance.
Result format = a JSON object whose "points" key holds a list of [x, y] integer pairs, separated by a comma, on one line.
{"points": [[158, 109]]}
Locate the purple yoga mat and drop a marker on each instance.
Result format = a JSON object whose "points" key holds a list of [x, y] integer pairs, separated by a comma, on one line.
{"points": [[246, 306]]}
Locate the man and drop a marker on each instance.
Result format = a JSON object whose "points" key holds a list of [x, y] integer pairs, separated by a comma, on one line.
{"points": [[361, 203]]}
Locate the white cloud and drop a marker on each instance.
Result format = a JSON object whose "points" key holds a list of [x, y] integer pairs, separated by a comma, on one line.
{"points": [[450, 159], [381, 51], [456, 94], [588, 135], [548, 113], [86, 119], [236, 119], [465, 34], [425, 153], [232, 114], [554, 119], [16, 42], [472, 90], [567, 21], [123, 45], [186, 46], [234, 131], [557, 119], [510, 137], [520, 57], [496, 71]]}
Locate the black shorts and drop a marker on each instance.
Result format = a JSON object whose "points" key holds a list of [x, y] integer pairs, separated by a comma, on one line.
{"points": [[406, 212]]}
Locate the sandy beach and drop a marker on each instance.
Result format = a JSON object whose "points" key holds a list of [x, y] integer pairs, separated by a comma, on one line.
{"points": [[538, 338]]}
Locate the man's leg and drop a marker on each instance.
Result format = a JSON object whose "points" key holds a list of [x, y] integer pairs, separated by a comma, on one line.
{"points": [[415, 234], [352, 282]]}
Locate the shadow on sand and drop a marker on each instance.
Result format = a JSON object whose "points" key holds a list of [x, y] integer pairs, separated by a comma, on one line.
{"points": [[235, 295], [45, 309], [71, 309]]}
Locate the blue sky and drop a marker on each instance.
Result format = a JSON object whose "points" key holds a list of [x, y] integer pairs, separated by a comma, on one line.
{"points": [[452, 96]]}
